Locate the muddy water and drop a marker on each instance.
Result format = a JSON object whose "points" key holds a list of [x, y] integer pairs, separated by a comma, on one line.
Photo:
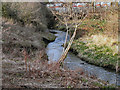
{"points": [[54, 51]]}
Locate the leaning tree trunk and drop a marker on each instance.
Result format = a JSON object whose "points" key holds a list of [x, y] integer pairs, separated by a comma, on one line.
{"points": [[63, 56]]}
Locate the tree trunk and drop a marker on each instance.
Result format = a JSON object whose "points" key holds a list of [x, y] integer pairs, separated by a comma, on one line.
{"points": [[63, 56], [65, 38]]}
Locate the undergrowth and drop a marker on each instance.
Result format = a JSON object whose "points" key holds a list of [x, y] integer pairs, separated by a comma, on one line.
{"points": [[61, 75]]}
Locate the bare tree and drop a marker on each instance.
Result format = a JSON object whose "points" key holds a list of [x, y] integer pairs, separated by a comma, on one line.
{"points": [[71, 17]]}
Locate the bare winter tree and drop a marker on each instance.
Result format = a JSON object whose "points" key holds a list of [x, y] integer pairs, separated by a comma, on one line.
{"points": [[71, 17]]}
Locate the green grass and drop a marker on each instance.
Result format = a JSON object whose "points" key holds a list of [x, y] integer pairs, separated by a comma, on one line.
{"points": [[98, 55]]}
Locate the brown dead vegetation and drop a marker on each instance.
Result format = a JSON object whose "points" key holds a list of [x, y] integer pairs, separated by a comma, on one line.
{"points": [[39, 73]]}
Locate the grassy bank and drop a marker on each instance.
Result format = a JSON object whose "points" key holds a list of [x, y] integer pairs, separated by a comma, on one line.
{"points": [[101, 55]]}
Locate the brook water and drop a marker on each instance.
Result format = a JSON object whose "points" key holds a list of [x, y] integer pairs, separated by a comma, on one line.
{"points": [[54, 51]]}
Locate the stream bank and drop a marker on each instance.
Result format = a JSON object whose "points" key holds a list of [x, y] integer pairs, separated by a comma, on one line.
{"points": [[98, 55], [25, 35]]}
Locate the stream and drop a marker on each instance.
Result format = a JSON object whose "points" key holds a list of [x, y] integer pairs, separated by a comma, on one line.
{"points": [[54, 51]]}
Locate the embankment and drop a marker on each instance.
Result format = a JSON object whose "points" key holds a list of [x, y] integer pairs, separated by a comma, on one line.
{"points": [[26, 26]]}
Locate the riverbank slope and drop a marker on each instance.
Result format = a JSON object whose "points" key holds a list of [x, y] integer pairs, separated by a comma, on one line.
{"points": [[25, 34]]}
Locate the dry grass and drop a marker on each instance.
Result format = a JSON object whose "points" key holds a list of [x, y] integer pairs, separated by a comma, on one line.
{"points": [[102, 32], [41, 74], [8, 21], [102, 40]]}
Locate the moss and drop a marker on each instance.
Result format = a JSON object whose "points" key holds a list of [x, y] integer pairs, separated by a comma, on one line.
{"points": [[61, 27], [84, 80], [97, 84], [109, 87]]}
